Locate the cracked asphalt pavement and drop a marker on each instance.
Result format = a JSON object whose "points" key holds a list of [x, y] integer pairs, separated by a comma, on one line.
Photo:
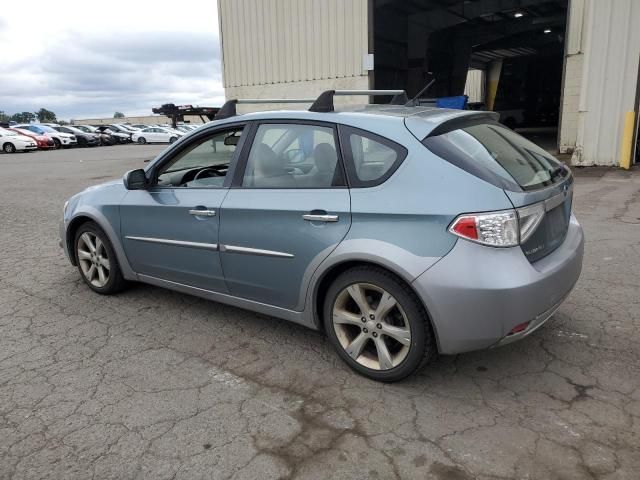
{"points": [[156, 384]]}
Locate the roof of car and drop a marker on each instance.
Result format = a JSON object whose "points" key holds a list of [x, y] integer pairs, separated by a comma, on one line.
{"points": [[420, 120]]}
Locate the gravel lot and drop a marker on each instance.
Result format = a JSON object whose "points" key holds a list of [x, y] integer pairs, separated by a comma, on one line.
{"points": [[155, 384]]}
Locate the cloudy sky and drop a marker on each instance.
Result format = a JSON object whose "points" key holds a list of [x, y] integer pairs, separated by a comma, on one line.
{"points": [[91, 59]]}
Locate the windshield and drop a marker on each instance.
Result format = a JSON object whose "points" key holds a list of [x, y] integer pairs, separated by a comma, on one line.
{"points": [[8, 133], [44, 128], [498, 155]]}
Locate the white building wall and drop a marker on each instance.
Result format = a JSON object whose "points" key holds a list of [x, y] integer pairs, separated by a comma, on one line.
{"points": [[292, 48], [601, 76], [475, 86]]}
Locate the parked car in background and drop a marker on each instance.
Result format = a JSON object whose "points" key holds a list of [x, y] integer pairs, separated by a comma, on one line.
{"points": [[12, 142], [42, 141], [140, 126], [400, 232], [120, 129], [60, 139], [126, 127], [156, 135], [117, 136], [84, 139], [105, 138]]}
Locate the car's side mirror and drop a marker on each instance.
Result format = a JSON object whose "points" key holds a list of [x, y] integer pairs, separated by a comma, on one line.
{"points": [[135, 180]]}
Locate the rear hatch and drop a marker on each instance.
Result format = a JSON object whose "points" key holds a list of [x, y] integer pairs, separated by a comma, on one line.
{"points": [[529, 175]]}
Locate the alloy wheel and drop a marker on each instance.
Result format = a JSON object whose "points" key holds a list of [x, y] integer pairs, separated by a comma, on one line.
{"points": [[94, 260], [9, 148], [371, 326]]}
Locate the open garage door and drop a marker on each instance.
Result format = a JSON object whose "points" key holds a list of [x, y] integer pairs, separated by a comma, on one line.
{"points": [[506, 55]]}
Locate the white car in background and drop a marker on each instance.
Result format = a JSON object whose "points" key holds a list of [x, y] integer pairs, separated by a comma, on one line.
{"points": [[156, 135], [61, 139], [12, 142]]}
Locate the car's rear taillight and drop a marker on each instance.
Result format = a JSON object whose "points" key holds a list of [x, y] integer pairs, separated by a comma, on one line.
{"points": [[497, 229], [529, 218], [506, 228]]}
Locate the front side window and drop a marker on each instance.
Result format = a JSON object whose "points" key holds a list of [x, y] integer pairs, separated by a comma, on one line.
{"points": [[293, 156], [203, 164]]}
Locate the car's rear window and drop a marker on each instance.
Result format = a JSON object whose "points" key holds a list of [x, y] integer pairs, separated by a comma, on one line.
{"points": [[497, 155]]}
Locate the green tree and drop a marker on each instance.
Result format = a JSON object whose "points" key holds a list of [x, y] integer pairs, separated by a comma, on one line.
{"points": [[24, 117], [4, 117], [118, 115], [45, 115]]}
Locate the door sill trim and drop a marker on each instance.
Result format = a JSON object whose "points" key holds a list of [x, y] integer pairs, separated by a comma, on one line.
{"points": [[252, 305]]}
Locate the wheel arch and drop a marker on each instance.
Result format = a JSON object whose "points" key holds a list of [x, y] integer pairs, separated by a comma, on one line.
{"points": [[331, 273], [83, 217]]}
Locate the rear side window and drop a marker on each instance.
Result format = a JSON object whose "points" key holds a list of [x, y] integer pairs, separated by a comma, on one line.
{"points": [[371, 159], [496, 154]]}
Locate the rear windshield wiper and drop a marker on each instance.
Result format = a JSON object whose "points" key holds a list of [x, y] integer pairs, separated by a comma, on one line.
{"points": [[560, 171]]}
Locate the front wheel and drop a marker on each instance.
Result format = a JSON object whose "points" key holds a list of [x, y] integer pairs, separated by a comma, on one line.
{"points": [[173, 139], [377, 324], [142, 140], [97, 261], [9, 147], [57, 143]]}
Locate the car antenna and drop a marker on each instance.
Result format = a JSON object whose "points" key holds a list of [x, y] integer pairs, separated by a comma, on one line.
{"points": [[411, 103]]}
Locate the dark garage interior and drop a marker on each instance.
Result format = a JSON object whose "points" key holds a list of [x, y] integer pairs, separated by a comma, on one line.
{"points": [[506, 55]]}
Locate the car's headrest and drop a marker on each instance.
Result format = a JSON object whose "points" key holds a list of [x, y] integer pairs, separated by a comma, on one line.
{"points": [[325, 157]]}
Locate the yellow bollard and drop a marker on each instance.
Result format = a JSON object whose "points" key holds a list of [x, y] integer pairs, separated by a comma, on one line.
{"points": [[627, 140]]}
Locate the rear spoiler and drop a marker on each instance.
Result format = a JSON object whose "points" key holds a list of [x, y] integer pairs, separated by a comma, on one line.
{"points": [[463, 121]]}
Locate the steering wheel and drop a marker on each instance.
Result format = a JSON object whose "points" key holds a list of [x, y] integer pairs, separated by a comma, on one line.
{"points": [[215, 173]]}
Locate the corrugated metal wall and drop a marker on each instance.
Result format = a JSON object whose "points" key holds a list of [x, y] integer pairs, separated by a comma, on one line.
{"points": [[273, 41], [475, 86], [610, 39]]}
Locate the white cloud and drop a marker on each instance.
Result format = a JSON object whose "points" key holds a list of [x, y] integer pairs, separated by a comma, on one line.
{"points": [[93, 59]]}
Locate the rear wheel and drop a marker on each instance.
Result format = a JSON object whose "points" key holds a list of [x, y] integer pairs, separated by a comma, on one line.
{"points": [[173, 139], [142, 140], [377, 325], [97, 261], [9, 147]]}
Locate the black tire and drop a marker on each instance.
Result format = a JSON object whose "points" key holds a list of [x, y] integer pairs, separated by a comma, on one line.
{"points": [[173, 139], [422, 347], [116, 281], [9, 148], [82, 143], [57, 143], [142, 140]]}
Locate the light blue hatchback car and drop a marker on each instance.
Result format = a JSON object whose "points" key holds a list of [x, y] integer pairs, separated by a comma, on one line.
{"points": [[399, 231]]}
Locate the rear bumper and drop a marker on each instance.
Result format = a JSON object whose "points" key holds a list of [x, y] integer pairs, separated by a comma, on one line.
{"points": [[476, 295]]}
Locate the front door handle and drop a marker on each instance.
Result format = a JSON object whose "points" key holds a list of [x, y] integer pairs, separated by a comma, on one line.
{"points": [[202, 213], [310, 217]]}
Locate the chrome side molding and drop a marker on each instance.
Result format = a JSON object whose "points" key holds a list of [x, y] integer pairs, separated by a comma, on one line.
{"points": [[213, 246], [178, 243], [255, 251]]}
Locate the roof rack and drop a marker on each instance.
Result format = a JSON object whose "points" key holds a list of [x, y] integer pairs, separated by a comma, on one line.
{"points": [[324, 102]]}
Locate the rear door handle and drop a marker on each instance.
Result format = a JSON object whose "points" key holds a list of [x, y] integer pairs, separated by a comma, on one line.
{"points": [[202, 213], [320, 217]]}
